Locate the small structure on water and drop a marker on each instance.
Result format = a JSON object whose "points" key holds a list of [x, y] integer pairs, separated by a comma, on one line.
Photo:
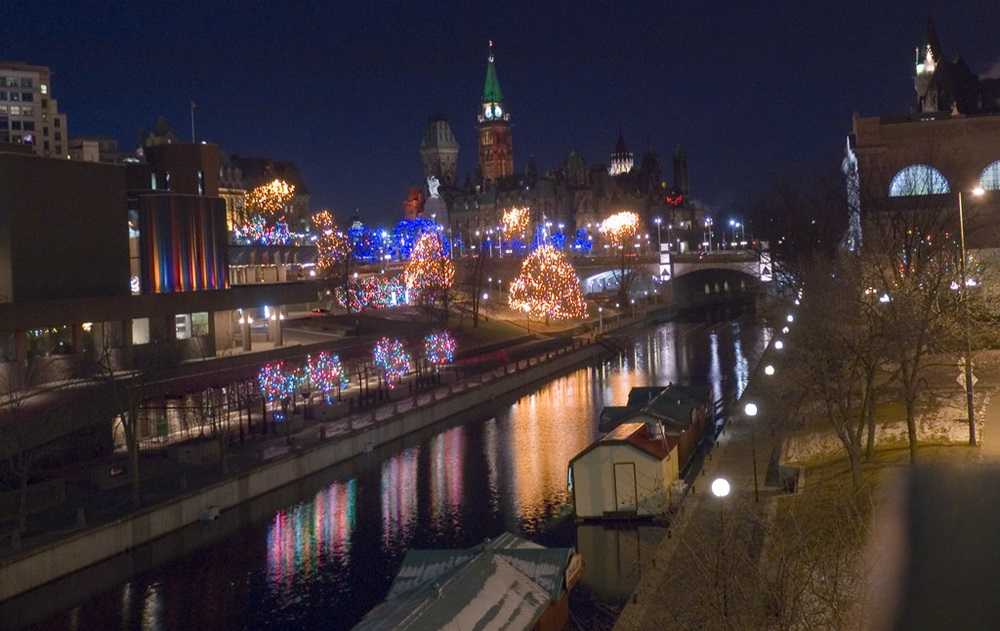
{"points": [[626, 474], [504, 583], [630, 471]]}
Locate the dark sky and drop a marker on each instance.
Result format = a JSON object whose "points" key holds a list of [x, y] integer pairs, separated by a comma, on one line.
{"points": [[345, 89]]}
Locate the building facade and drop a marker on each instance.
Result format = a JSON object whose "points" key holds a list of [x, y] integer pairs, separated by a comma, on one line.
{"points": [[94, 149], [948, 143], [28, 112], [439, 151]]}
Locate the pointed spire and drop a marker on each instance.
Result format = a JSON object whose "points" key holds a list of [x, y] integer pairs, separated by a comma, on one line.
{"points": [[491, 87], [620, 147], [932, 40]]}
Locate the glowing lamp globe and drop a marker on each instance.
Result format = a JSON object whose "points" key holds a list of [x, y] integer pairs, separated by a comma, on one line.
{"points": [[769, 370], [720, 487], [750, 409], [779, 345], [790, 318]]}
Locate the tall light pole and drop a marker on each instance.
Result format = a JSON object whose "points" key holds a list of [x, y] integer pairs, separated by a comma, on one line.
{"points": [[720, 489], [750, 409], [658, 221], [969, 398]]}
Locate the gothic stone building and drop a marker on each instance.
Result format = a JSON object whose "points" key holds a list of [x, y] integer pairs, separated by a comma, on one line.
{"points": [[572, 193], [950, 142]]}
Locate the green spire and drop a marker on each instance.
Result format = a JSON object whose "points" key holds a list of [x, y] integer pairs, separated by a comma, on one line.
{"points": [[491, 88]]}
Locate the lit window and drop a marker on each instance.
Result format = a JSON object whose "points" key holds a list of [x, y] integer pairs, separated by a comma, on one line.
{"points": [[199, 323], [140, 330], [152, 180], [182, 326], [15, 110], [991, 177], [201, 182], [44, 88], [918, 179]]}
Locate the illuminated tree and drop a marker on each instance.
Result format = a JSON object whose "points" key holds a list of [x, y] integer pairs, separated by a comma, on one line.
{"points": [[439, 348], [271, 198], [547, 287], [429, 273], [390, 356], [619, 231], [515, 222], [333, 247]]}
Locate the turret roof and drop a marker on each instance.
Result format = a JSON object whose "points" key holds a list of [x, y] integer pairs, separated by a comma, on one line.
{"points": [[491, 87]]}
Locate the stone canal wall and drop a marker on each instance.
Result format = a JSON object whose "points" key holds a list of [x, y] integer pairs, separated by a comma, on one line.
{"points": [[41, 565]]}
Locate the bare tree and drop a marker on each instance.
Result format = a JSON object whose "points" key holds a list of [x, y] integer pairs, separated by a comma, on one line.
{"points": [[909, 265], [838, 353]]}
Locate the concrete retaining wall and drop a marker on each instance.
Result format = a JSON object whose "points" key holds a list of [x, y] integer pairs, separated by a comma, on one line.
{"points": [[39, 566]]}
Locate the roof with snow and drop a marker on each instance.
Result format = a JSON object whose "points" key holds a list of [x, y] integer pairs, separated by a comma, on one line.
{"points": [[505, 583], [634, 435]]}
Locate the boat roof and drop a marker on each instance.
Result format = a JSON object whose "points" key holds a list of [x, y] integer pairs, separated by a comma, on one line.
{"points": [[634, 435], [505, 583]]}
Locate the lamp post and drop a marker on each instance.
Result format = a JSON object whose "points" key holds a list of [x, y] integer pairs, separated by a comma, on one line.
{"points": [[600, 320], [658, 221], [969, 398], [720, 489], [750, 409]]}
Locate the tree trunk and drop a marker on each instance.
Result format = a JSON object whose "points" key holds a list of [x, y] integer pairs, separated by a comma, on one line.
{"points": [[854, 458], [911, 429], [870, 422], [133, 454], [22, 508]]}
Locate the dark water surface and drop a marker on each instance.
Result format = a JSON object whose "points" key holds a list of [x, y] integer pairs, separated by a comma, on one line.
{"points": [[320, 559]]}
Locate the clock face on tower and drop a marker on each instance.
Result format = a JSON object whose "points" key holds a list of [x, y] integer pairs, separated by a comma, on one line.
{"points": [[497, 112], [488, 111]]}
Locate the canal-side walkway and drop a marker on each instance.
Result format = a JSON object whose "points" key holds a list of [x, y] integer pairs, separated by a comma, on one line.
{"points": [[712, 542]]}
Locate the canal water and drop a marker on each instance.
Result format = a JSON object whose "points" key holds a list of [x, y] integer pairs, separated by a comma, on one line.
{"points": [[323, 558]]}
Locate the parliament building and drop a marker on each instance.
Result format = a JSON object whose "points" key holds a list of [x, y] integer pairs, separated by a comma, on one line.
{"points": [[573, 193]]}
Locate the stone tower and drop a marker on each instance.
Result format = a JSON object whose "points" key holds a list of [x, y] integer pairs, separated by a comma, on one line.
{"points": [[496, 150], [621, 158], [680, 171], [439, 151]]}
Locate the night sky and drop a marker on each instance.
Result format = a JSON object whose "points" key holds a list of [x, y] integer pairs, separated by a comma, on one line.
{"points": [[345, 89]]}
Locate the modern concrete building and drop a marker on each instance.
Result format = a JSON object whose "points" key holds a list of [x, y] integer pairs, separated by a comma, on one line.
{"points": [[94, 149], [28, 112], [136, 253]]}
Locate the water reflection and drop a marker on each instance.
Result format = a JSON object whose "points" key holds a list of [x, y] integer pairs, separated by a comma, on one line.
{"points": [[326, 560], [302, 538], [399, 497], [447, 458]]}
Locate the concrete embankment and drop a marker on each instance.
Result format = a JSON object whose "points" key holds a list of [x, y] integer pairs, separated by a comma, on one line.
{"points": [[36, 567]]}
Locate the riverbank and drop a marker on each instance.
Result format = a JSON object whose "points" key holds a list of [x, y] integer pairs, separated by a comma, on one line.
{"points": [[331, 444]]}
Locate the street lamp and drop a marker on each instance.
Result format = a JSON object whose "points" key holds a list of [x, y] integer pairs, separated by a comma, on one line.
{"points": [[600, 321], [779, 345], [750, 409], [658, 221], [976, 192], [785, 330], [769, 370], [720, 487], [790, 318]]}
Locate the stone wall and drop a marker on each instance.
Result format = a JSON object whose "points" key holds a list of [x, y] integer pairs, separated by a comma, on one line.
{"points": [[36, 567]]}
